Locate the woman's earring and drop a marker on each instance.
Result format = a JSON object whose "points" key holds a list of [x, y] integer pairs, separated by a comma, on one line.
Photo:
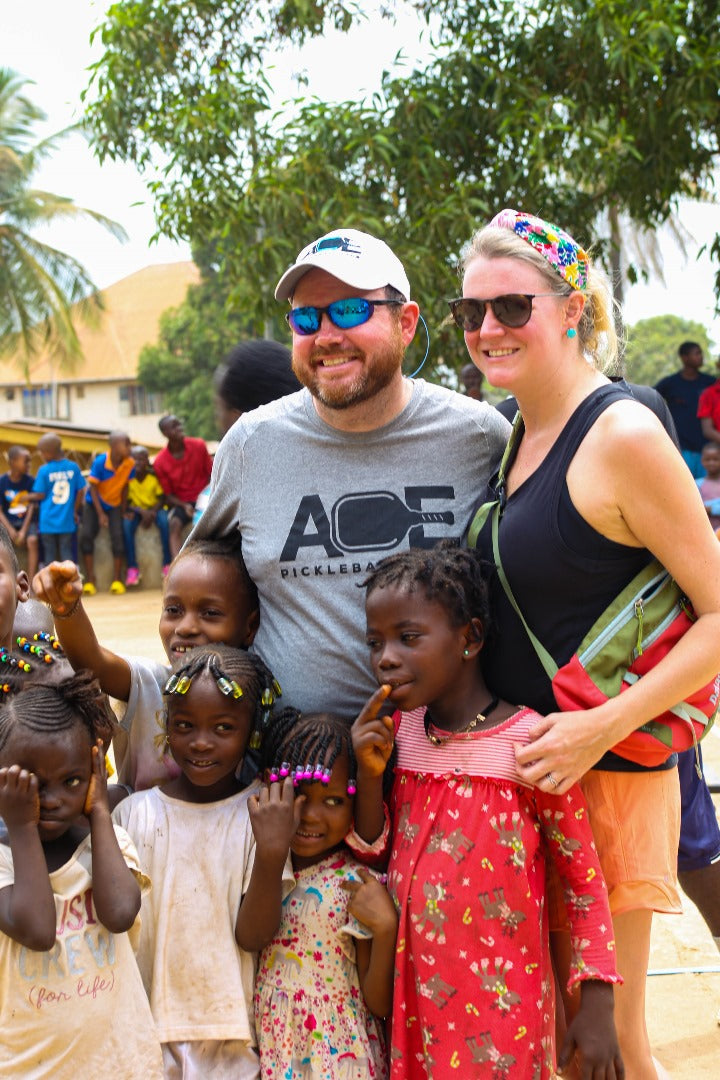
{"points": [[466, 652], [571, 332]]}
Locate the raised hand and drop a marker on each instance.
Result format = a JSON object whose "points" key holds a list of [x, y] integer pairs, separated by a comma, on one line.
{"points": [[19, 799], [97, 796], [59, 584], [373, 736], [275, 816]]}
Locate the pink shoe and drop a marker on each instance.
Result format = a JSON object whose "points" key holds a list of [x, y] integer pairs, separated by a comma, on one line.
{"points": [[166, 569], [133, 576]]}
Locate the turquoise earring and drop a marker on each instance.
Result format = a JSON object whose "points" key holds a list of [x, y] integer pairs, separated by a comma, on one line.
{"points": [[571, 332]]}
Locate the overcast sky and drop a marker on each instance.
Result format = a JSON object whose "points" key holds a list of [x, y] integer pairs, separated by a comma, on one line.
{"points": [[48, 42]]}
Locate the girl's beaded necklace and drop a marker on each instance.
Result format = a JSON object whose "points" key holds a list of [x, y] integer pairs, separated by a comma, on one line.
{"points": [[480, 718]]}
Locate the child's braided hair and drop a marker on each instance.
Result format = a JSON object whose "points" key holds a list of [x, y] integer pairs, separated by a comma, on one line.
{"points": [[306, 746], [449, 574], [237, 673], [52, 707]]}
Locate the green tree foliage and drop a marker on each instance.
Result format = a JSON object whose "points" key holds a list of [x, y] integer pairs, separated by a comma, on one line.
{"points": [[194, 338], [652, 347], [38, 283], [590, 112]]}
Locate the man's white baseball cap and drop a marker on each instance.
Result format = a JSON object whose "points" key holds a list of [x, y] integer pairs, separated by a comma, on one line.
{"points": [[356, 258]]}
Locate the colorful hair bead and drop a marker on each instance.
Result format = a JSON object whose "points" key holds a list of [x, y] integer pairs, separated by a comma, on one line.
{"points": [[325, 779], [49, 639], [273, 776], [285, 769], [171, 684], [224, 685], [5, 688], [352, 787], [183, 684], [267, 698], [276, 688], [318, 771], [22, 641], [255, 740]]}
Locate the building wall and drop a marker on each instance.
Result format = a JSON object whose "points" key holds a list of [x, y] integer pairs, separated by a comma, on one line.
{"points": [[100, 404], [93, 405]]}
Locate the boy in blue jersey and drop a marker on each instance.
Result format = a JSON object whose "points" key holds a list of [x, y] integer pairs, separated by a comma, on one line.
{"points": [[58, 488]]}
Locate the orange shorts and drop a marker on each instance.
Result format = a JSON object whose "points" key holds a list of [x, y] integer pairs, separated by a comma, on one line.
{"points": [[635, 819]]}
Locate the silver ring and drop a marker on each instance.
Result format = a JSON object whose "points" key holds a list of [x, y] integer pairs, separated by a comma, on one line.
{"points": [[549, 776]]}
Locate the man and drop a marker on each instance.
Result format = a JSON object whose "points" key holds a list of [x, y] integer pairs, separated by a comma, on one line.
{"points": [[183, 468], [360, 463], [682, 393], [472, 379]]}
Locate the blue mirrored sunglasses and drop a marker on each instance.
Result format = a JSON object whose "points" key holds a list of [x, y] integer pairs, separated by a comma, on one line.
{"points": [[342, 313]]}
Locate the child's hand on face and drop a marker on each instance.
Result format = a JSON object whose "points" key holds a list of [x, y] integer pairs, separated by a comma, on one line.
{"points": [[592, 1036], [19, 799], [373, 736], [275, 816], [96, 801], [370, 903], [59, 585]]}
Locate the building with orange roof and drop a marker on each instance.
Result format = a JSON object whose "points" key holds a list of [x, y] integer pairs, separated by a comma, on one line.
{"points": [[102, 392]]}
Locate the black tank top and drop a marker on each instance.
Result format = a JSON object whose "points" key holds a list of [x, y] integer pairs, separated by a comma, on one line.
{"points": [[562, 572]]}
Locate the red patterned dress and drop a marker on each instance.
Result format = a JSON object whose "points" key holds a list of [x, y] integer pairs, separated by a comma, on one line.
{"points": [[473, 993]]}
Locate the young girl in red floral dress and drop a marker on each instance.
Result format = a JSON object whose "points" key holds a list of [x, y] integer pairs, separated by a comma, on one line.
{"points": [[473, 992]]}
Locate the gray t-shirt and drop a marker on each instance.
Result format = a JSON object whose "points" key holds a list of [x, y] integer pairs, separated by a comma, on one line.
{"points": [[317, 508]]}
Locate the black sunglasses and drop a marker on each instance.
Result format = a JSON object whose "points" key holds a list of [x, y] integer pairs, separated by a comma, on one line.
{"points": [[511, 309], [344, 314]]}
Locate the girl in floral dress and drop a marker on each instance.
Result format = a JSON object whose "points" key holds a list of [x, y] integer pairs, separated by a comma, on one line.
{"points": [[473, 992], [327, 975]]}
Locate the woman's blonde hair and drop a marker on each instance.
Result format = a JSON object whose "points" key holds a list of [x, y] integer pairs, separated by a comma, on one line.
{"points": [[596, 330]]}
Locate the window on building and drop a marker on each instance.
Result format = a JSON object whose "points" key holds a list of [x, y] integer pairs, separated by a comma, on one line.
{"points": [[37, 402], [10, 393], [135, 400]]}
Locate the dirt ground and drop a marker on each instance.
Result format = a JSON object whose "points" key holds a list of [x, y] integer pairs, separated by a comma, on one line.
{"points": [[681, 1007]]}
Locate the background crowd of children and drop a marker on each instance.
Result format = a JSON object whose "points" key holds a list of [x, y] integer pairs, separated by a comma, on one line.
{"points": [[57, 514]]}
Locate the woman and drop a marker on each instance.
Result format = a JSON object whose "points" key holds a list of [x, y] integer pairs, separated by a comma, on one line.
{"points": [[596, 488]]}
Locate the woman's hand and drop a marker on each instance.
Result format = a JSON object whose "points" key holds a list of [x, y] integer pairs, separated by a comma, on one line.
{"points": [[562, 747], [373, 736], [19, 800]]}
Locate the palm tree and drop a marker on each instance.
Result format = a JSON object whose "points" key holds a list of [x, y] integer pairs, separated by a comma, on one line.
{"points": [[38, 283]]}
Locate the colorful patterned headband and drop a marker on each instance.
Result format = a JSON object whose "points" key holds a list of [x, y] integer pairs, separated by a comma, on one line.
{"points": [[565, 256]]}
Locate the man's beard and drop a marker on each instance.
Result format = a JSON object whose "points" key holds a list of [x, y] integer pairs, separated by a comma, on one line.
{"points": [[376, 374]]}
